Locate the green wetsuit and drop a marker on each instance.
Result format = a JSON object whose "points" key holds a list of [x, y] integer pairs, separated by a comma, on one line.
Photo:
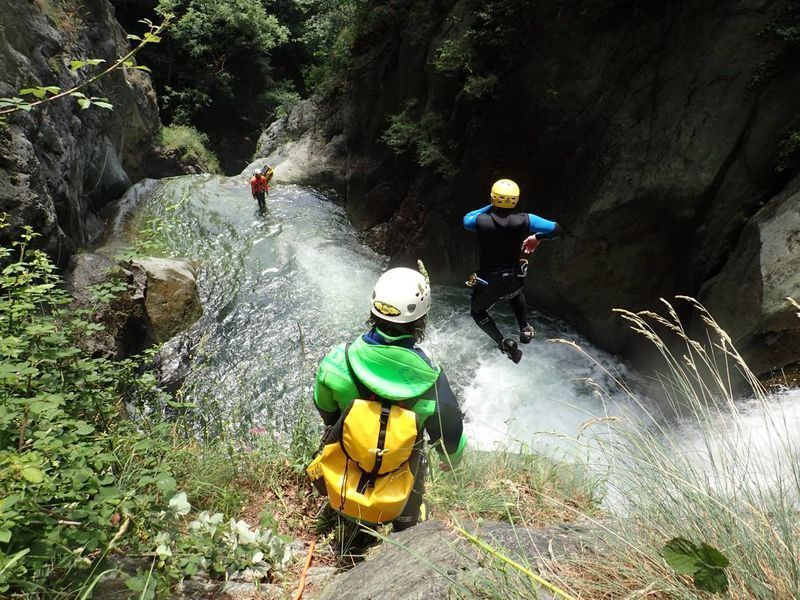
{"points": [[395, 369]]}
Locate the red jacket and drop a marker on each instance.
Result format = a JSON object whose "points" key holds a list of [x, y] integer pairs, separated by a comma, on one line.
{"points": [[258, 184]]}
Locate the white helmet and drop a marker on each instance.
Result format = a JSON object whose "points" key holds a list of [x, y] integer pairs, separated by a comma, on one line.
{"points": [[401, 295]]}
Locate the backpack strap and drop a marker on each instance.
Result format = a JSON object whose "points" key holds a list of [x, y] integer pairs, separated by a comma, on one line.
{"points": [[368, 479]]}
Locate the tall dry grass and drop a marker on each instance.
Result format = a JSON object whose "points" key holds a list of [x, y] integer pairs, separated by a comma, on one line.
{"points": [[717, 463]]}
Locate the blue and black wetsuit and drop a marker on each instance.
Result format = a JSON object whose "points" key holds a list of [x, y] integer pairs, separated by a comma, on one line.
{"points": [[501, 232]]}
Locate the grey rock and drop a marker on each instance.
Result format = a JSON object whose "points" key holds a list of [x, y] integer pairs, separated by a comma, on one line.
{"points": [[251, 575], [159, 301], [307, 146], [251, 591], [126, 327], [430, 560], [320, 576], [749, 296], [172, 302], [195, 587], [60, 164]]}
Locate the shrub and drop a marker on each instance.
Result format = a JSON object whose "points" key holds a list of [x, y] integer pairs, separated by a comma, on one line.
{"points": [[63, 498], [191, 145], [218, 57], [283, 97], [406, 132], [328, 32], [79, 480]]}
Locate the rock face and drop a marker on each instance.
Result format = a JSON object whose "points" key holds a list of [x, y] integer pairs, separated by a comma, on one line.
{"points": [[430, 560], [59, 164], [158, 299], [307, 146], [750, 293], [653, 132]]}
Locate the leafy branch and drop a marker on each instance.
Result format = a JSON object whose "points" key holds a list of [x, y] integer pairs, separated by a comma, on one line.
{"points": [[50, 93]]}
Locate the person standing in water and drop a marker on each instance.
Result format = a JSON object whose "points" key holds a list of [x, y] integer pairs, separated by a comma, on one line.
{"points": [[259, 186], [503, 233]]}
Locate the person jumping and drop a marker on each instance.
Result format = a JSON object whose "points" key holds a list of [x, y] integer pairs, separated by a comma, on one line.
{"points": [[503, 233]]}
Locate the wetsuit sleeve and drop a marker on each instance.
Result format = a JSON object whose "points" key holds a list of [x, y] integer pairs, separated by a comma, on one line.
{"points": [[471, 217], [324, 401], [544, 229], [445, 428]]}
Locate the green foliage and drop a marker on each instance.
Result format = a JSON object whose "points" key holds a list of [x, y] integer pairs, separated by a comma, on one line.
{"points": [[705, 563], [480, 51], [785, 29], [220, 548], [59, 420], [191, 145], [222, 53], [78, 480], [789, 151], [409, 131], [283, 97], [329, 29], [454, 55]]}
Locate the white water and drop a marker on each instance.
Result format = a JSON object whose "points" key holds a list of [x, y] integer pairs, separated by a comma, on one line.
{"points": [[280, 289]]}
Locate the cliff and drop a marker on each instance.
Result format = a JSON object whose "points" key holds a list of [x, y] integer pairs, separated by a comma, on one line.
{"points": [[659, 136], [59, 164]]}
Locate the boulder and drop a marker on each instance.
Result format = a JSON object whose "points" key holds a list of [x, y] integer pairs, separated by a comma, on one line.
{"points": [[126, 327], [430, 560], [306, 146], [172, 302], [158, 299], [749, 296]]}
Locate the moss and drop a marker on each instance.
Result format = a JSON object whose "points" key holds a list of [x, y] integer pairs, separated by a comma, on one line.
{"points": [[788, 155]]}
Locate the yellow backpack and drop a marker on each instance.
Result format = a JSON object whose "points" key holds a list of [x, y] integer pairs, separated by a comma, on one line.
{"points": [[364, 467], [268, 173]]}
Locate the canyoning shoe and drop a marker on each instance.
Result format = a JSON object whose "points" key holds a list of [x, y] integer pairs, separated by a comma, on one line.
{"points": [[526, 334], [511, 350]]}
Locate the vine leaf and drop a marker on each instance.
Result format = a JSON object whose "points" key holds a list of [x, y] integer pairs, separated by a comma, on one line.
{"points": [[704, 562]]}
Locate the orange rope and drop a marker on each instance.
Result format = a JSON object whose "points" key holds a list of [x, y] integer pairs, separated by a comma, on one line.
{"points": [[299, 593]]}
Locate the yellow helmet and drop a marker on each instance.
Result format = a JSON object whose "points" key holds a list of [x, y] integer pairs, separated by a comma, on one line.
{"points": [[505, 193]]}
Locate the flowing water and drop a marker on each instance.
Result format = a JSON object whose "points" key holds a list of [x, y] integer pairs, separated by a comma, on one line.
{"points": [[281, 288]]}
